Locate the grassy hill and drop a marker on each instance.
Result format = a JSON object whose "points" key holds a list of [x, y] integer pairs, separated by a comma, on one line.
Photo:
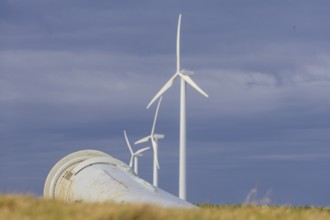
{"points": [[29, 207]]}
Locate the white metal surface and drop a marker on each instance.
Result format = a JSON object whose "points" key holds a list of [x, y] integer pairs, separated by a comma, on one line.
{"points": [[182, 162], [184, 80], [66, 163], [93, 176]]}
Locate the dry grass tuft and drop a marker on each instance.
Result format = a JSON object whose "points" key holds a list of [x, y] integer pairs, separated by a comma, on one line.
{"points": [[29, 207]]}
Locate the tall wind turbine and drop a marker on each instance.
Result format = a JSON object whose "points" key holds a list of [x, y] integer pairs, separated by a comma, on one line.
{"points": [[185, 79], [134, 156], [154, 141]]}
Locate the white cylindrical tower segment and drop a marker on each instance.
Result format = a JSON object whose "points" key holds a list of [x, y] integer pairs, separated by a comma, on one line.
{"points": [[94, 176]]}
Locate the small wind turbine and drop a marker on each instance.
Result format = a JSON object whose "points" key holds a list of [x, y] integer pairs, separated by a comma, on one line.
{"points": [[134, 156], [154, 141], [185, 79]]}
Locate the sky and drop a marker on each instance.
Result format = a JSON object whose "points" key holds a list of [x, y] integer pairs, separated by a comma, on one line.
{"points": [[74, 74]]}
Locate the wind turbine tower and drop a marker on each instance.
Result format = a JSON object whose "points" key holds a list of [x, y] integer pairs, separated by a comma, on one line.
{"points": [[185, 79]]}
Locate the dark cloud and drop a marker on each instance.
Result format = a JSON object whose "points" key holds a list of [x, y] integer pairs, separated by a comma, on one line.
{"points": [[4, 10], [75, 74]]}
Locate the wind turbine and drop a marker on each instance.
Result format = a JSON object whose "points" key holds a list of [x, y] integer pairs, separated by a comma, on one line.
{"points": [[134, 156], [154, 141], [185, 79]]}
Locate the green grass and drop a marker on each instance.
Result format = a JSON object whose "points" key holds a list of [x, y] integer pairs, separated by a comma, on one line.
{"points": [[28, 207]]}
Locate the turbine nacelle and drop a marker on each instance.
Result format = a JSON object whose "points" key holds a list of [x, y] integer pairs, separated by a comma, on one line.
{"points": [[159, 136], [147, 138], [187, 72]]}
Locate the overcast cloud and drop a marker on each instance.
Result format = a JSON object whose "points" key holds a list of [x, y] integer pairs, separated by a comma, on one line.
{"points": [[75, 74]]}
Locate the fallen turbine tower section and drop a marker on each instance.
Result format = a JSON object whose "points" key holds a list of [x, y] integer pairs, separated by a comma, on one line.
{"points": [[94, 176]]}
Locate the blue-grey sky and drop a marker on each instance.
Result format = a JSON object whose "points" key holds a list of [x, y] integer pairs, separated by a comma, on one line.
{"points": [[74, 74]]}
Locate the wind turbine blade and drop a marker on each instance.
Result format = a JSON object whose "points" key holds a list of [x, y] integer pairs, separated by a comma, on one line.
{"points": [[167, 85], [178, 45], [155, 118], [159, 136], [143, 140], [193, 84], [127, 142], [131, 161], [139, 152]]}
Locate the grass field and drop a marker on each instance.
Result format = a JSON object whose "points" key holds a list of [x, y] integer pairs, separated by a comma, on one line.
{"points": [[29, 207]]}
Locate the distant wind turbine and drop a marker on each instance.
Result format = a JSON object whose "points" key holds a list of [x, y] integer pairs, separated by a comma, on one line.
{"points": [[154, 141], [184, 76], [134, 156]]}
